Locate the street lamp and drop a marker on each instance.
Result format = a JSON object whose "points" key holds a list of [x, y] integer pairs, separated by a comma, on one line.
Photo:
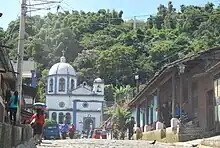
{"points": [[136, 77]]}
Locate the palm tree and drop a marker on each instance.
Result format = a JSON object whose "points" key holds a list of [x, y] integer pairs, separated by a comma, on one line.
{"points": [[119, 117], [123, 94]]}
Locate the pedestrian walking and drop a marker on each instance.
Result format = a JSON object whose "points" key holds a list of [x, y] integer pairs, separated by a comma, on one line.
{"points": [[13, 107], [37, 123]]}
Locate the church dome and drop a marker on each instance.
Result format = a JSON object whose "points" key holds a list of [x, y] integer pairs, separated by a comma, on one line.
{"points": [[62, 68], [98, 80]]}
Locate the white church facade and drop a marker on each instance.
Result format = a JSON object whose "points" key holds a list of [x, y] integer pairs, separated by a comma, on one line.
{"points": [[69, 102]]}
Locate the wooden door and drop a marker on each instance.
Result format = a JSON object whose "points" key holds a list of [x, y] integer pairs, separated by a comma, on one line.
{"points": [[210, 116]]}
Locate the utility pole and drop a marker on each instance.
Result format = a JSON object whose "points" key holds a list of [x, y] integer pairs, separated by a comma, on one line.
{"points": [[20, 54], [134, 23]]}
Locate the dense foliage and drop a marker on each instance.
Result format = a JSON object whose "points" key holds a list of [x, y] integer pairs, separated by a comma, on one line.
{"points": [[119, 115], [50, 122], [102, 44]]}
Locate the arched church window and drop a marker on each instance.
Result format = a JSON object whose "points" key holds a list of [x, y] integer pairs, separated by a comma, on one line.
{"points": [[54, 116], [61, 84], [61, 118], [99, 88], [68, 118], [51, 85], [72, 84]]}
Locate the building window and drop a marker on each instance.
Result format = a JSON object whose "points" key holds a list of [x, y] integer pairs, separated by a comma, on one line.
{"points": [[61, 118], [99, 88], [54, 116], [85, 105], [51, 85], [68, 118], [61, 84], [72, 84]]}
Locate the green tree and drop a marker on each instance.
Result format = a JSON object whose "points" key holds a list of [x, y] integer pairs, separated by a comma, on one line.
{"points": [[102, 44], [119, 117]]}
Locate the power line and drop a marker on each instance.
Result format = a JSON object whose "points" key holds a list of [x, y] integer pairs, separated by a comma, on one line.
{"points": [[68, 5]]}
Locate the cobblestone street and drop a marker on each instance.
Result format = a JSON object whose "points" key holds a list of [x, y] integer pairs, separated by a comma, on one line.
{"points": [[91, 143]]}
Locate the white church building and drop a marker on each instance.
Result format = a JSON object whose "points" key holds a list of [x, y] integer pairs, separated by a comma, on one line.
{"points": [[67, 101]]}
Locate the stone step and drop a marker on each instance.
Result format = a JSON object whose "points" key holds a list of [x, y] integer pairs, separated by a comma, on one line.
{"points": [[192, 130]]}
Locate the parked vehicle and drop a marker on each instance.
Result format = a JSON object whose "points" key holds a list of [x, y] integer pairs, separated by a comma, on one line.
{"points": [[97, 134], [51, 132]]}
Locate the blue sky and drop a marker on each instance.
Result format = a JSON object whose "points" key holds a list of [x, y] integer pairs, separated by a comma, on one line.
{"points": [[11, 8]]}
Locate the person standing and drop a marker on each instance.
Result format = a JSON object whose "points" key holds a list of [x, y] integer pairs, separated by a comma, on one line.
{"points": [[177, 109], [13, 106], [130, 126], [165, 115]]}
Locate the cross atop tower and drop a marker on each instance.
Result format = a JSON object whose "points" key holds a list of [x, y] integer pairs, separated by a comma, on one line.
{"points": [[63, 59], [63, 52]]}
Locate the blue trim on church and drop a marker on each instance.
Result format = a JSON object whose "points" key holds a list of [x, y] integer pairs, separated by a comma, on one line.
{"points": [[74, 112]]}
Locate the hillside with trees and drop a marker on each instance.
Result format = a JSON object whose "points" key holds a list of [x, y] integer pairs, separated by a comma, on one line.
{"points": [[103, 44]]}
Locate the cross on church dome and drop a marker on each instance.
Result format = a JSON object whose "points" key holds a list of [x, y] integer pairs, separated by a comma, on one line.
{"points": [[63, 59]]}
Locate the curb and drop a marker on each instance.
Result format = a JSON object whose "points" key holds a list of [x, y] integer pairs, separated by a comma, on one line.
{"points": [[202, 146], [210, 143]]}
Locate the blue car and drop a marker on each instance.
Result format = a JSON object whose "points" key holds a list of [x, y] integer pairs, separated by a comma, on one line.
{"points": [[51, 132]]}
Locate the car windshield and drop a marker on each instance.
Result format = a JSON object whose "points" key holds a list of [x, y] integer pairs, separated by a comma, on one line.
{"points": [[52, 127]]}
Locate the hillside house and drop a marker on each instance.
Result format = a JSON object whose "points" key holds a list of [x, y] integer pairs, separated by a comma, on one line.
{"points": [[193, 83]]}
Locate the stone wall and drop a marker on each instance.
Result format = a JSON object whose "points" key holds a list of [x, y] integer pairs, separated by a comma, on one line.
{"points": [[171, 135], [12, 136]]}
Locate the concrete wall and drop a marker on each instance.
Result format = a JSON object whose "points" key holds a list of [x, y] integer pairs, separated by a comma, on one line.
{"points": [[12, 136], [170, 135]]}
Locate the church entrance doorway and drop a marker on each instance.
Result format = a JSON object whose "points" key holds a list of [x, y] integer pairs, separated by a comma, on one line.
{"points": [[88, 123]]}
